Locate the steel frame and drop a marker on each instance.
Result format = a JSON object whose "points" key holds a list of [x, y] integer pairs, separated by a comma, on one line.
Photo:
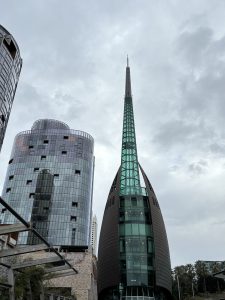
{"points": [[17, 267]]}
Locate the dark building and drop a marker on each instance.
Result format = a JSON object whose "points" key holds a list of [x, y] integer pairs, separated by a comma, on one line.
{"points": [[133, 256], [10, 67], [49, 182]]}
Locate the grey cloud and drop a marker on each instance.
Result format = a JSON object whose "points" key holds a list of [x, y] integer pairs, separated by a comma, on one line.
{"points": [[198, 168], [218, 148], [221, 222], [202, 87], [197, 114], [74, 66], [174, 132], [193, 45], [185, 135]]}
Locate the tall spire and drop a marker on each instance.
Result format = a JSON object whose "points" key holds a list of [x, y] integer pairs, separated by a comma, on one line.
{"points": [[129, 178], [128, 81]]}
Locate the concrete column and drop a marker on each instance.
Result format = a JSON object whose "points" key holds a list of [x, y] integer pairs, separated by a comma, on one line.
{"points": [[11, 280], [29, 294], [42, 296]]}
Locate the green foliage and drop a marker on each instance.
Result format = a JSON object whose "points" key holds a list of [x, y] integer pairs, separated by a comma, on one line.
{"points": [[29, 285], [62, 291], [29, 282], [196, 279], [185, 274], [4, 294]]}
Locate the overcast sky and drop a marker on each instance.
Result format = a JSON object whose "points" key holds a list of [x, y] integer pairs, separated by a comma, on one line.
{"points": [[74, 57]]}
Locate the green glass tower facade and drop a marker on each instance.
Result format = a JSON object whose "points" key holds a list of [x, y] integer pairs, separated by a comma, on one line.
{"points": [[136, 237], [129, 178], [133, 257]]}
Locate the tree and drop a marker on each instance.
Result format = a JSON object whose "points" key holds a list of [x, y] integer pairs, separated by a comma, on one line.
{"points": [[185, 274], [4, 292], [202, 273], [29, 283], [217, 267]]}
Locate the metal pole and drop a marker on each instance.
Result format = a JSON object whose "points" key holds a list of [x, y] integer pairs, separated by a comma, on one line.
{"points": [[7, 206], [178, 285]]}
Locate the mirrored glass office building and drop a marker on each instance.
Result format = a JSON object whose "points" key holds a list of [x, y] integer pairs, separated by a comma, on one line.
{"points": [[133, 252], [49, 182], [10, 67]]}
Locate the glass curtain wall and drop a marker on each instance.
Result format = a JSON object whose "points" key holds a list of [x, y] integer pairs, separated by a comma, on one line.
{"points": [[136, 246], [10, 67], [64, 157]]}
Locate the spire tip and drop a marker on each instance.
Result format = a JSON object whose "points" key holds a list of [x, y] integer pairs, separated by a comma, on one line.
{"points": [[128, 82]]}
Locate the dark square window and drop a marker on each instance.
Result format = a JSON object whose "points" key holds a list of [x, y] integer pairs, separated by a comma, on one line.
{"points": [[45, 141], [31, 195], [11, 177], [11, 160], [2, 117], [10, 47], [66, 137], [153, 200], [46, 196], [8, 190], [146, 201], [43, 157], [64, 152], [122, 202], [56, 175], [74, 204], [36, 169], [121, 216], [29, 181], [31, 147], [77, 172], [73, 218]]}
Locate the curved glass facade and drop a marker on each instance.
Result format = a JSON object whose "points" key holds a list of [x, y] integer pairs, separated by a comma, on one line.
{"points": [[136, 242], [49, 181], [10, 67]]}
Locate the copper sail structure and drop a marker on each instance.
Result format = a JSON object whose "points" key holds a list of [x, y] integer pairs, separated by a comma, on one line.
{"points": [[133, 256]]}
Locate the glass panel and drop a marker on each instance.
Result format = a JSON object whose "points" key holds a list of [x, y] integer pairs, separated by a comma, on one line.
{"points": [[150, 246], [122, 229], [134, 201], [135, 229], [142, 229], [128, 229]]}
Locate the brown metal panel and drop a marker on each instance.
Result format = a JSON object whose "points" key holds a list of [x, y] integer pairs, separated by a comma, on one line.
{"points": [[108, 253], [162, 256]]}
